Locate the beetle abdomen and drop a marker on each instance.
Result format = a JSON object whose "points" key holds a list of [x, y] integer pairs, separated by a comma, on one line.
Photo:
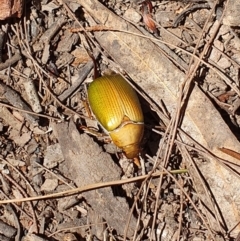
{"points": [[128, 137]]}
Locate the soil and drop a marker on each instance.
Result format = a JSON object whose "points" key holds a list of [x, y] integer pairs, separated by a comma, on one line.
{"points": [[61, 176]]}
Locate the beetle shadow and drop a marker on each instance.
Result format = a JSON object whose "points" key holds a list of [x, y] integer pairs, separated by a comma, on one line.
{"points": [[151, 139]]}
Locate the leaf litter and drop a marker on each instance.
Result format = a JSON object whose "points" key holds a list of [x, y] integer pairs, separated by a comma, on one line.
{"points": [[185, 66]]}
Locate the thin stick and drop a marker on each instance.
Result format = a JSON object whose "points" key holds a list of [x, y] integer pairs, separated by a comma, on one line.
{"points": [[89, 187]]}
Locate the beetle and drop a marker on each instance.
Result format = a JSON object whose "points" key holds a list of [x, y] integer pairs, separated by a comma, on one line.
{"points": [[116, 106]]}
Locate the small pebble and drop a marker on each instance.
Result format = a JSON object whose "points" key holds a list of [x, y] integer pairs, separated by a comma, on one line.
{"points": [[224, 63], [216, 53], [49, 185], [53, 156], [132, 15]]}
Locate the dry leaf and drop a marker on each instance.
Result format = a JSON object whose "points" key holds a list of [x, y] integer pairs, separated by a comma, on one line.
{"points": [[156, 75], [147, 18], [87, 163]]}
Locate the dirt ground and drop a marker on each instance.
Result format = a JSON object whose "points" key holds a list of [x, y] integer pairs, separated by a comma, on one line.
{"points": [[61, 176]]}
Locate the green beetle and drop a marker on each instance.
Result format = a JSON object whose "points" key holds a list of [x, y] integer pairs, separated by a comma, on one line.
{"points": [[116, 106]]}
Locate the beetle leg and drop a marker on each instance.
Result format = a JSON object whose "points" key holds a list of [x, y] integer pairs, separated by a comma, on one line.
{"points": [[137, 162]]}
